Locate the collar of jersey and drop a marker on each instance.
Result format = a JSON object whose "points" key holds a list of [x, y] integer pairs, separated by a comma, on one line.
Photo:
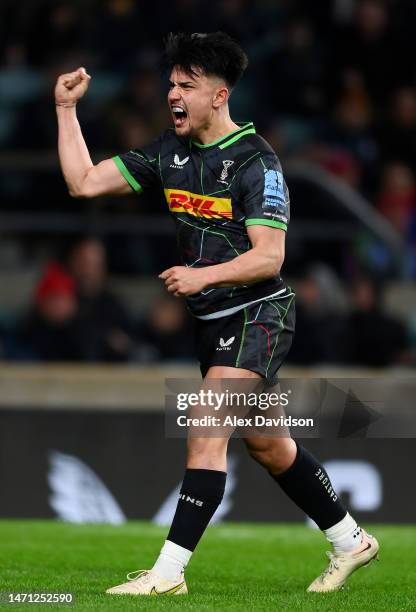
{"points": [[228, 139]]}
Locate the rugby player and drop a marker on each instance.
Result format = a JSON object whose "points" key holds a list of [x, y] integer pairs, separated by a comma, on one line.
{"points": [[224, 186]]}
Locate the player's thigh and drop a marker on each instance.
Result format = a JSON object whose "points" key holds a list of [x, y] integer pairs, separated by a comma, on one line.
{"points": [[224, 372], [213, 442]]}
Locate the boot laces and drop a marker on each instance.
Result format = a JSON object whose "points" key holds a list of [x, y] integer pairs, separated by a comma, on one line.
{"points": [[333, 564], [136, 575]]}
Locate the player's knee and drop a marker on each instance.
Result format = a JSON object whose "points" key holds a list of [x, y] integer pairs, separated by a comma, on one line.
{"points": [[276, 456], [206, 453], [263, 455]]}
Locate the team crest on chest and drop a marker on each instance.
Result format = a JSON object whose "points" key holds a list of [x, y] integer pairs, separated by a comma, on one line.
{"points": [[227, 163]]}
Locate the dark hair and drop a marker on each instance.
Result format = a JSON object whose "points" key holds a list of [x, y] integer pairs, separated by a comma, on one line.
{"points": [[214, 53]]}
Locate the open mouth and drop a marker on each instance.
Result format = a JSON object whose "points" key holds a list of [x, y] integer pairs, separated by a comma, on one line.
{"points": [[179, 116]]}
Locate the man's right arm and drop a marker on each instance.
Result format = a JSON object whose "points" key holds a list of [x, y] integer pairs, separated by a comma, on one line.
{"points": [[84, 179]]}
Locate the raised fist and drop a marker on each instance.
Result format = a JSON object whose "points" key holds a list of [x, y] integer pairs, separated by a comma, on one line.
{"points": [[71, 87]]}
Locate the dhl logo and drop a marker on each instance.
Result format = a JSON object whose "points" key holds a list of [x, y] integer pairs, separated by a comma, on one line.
{"points": [[198, 205]]}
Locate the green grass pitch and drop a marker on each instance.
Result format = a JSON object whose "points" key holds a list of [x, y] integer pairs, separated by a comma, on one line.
{"points": [[236, 567]]}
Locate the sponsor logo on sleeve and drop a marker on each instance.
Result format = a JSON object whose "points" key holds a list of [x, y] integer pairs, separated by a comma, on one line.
{"points": [[274, 196]]}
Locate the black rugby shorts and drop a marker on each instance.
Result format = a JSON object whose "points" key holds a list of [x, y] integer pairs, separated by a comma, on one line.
{"points": [[256, 338]]}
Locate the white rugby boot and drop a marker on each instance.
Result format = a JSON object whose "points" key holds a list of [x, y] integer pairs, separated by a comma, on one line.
{"points": [[147, 582], [342, 565]]}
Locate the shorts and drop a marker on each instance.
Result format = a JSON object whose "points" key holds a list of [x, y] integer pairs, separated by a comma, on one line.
{"points": [[256, 338]]}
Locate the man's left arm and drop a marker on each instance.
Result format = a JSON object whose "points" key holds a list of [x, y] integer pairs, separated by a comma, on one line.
{"points": [[261, 262]]}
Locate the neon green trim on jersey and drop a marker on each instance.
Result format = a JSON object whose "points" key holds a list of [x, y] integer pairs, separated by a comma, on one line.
{"points": [[129, 177], [237, 137], [268, 222], [236, 133]]}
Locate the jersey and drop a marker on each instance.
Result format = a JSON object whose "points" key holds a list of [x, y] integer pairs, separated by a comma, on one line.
{"points": [[214, 192]]}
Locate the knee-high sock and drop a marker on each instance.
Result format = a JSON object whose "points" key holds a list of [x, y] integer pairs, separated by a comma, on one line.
{"points": [[201, 494], [309, 487]]}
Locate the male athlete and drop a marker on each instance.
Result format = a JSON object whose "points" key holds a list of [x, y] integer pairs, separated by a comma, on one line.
{"points": [[224, 186]]}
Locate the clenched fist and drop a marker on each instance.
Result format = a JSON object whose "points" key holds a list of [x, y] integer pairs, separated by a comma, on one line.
{"points": [[182, 281], [71, 87]]}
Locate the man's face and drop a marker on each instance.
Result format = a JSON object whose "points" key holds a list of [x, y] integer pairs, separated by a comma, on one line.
{"points": [[192, 99]]}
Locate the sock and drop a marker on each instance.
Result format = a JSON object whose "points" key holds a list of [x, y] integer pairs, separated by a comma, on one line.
{"points": [[345, 536], [308, 485], [201, 494], [172, 561]]}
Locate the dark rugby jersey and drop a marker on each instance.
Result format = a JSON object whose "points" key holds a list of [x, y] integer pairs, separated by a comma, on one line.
{"points": [[214, 192]]}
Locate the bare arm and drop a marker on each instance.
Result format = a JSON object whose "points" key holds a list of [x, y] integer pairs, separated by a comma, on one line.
{"points": [[261, 262], [82, 177]]}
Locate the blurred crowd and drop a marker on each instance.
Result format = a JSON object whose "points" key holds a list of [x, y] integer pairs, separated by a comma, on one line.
{"points": [[331, 82], [336, 79], [74, 316]]}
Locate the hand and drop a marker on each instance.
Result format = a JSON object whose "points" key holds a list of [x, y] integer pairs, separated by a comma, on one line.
{"points": [[183, 281], [71, 87]]}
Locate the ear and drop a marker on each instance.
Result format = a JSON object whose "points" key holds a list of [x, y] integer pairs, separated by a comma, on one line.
{"points": [[220, 97]]}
